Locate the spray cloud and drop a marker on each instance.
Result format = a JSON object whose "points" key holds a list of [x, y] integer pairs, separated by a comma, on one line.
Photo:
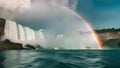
{"points": [[9, 8], [63, 27]]}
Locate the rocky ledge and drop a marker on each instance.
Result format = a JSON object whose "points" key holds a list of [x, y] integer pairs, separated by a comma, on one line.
{"points": [[8, 45], [110, 37]]}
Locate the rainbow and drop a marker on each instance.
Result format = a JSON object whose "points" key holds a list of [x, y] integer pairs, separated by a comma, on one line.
{"points": [[100, 46]]}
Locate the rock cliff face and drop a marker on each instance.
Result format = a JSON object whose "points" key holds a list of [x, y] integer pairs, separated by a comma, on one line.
{"points": [[6, 44], [2, 25], [109, 35], [106, 34]]}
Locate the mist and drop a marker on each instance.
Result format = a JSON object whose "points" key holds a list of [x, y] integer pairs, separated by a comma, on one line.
{"points": [[9, 9], [63, 27]]}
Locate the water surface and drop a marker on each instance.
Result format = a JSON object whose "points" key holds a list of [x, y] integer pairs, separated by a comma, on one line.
{"points": [[60, 59]]}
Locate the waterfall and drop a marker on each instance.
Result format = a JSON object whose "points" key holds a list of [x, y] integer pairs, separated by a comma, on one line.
{"points": [[21, 34], [70, 40], [29, 34], [11, 30], [64, 28]]}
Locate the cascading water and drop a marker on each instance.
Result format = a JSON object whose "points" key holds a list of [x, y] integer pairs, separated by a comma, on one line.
{"points": [[63, 27], [20, 34]]}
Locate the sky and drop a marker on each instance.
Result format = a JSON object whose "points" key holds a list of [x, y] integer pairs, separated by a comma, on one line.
{"points": [[100, 13]]}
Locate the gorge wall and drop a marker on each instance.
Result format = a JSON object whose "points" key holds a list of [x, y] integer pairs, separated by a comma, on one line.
{"points": [[107, 34], [110, 37], [2, 25]]}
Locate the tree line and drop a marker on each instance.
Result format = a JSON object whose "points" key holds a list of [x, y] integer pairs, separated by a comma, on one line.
{"points": [[108, 30]]}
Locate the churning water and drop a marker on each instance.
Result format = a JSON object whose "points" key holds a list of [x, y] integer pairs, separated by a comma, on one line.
{"points": [[60, 59]]}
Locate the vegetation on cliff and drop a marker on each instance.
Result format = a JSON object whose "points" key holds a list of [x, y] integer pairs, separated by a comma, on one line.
{"points": [[112, 43], [108, 30], [7, 45]]}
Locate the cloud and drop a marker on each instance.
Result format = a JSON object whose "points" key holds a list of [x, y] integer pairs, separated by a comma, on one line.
{"points": [[49, 7], [52, 11], [9, 8]]}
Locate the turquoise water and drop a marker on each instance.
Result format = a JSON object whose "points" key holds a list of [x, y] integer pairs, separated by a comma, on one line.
{"points": [[60, 59]]}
